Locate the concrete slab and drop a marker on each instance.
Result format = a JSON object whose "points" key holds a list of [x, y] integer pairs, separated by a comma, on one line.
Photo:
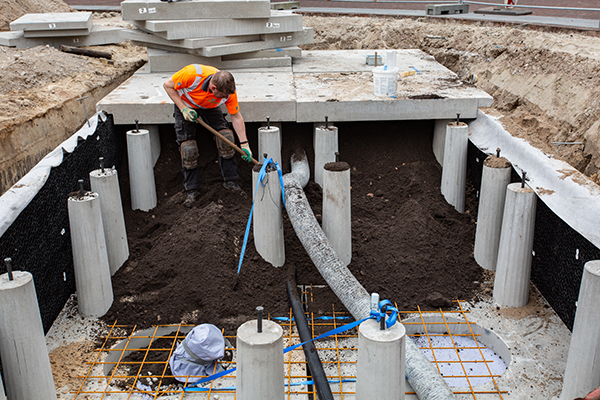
{"points": [[341, 90], [98, 36], [347, 93], [294, 52], [202, 28], [270, 41], [149, 39], [261, 93], [56, 33], [53, 21], [499, 10], [135, 10], [168, 61]]}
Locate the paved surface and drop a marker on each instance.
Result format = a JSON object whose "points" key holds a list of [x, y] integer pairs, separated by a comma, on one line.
{"points": [[420, 6]]}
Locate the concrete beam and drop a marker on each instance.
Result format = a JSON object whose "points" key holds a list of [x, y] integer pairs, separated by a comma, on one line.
{"points": [[168, 61], [53, 21], [98, 36], [135, 10], [201, 28]]}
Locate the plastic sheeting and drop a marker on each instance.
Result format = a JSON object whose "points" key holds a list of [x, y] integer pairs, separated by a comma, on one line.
{"points": [[206, 343], [567, 192], [21, 193]]}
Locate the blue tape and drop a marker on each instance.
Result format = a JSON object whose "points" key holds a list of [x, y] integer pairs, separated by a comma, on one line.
{"points": [[261, 176]]}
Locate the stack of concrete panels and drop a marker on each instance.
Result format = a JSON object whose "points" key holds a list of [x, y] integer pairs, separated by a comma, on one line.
{"points": [[73, 29], [222, 33]]}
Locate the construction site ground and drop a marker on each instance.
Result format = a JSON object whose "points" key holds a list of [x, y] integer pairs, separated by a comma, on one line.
{"points": [[183, 262]]}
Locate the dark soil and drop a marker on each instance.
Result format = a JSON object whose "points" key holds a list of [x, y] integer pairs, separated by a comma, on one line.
{"points": [[408, 243]]}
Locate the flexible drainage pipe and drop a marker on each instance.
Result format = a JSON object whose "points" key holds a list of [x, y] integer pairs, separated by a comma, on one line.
{"points": [[421, 374], [310, 352]]}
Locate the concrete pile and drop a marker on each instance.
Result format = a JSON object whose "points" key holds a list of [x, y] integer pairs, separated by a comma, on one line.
{"points": [[55, 29], [226, 34]]}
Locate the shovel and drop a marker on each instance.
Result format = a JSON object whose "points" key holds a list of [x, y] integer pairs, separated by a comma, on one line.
{"points": [[223, 138]]}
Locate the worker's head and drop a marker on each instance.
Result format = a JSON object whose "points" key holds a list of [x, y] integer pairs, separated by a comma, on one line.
{"points": [[222, 84]]}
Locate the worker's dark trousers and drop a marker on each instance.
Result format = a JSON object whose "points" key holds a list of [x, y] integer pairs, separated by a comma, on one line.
{"points": [[185, 130]]}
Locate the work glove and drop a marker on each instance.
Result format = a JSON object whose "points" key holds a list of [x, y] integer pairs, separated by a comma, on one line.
{"points": [[246, 148], [189, 114]]}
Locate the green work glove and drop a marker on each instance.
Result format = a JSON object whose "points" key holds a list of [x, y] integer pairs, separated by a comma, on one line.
{"points": [[189, 114], [246, 148]]}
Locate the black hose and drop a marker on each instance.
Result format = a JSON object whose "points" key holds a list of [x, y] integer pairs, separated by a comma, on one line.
{"points": [[310, 352]]}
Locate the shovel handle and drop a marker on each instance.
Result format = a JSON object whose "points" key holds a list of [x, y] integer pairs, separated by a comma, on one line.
{"points": [[223, 138]]}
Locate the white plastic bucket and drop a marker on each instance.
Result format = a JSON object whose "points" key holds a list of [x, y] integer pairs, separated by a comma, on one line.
{"points": [[385, 81]]}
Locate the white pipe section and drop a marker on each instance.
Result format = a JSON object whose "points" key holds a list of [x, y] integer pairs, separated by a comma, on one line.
{"points": [[269, 141], [454, 172], [106, 184], [494, 179], [336, 209], [25, 360], [582, 373], [325, 143], [439, 139], [380, 367], [90, 258], [421, 374], [154, 141], [267, 222], [141, 173], [260, 367], [513, 269]]}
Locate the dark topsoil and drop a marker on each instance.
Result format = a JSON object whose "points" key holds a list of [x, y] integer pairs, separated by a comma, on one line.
{"points": [[408, 243]]}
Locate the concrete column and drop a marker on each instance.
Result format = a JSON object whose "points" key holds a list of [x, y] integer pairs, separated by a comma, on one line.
{"points": [[454, 172], [582, 373], [269, 141], [141, 173], [2, 394], [494, 179], [380, 370], [268, 217], [259, 362], [513, 269], [325, 143], [25, 360], [154, 141], [105, 182], [336, 209], [90, 258], [439, 139]]}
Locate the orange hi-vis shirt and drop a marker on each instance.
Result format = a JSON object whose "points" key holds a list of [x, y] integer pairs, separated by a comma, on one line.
{"points": [[191, 84]]}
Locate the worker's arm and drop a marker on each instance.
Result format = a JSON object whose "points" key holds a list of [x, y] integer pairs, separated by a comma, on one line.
{"points": [[238, 125], [240, 129], [169, 86]]}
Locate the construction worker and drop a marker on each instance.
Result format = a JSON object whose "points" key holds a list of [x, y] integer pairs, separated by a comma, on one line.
{"points": [[198, 91]]}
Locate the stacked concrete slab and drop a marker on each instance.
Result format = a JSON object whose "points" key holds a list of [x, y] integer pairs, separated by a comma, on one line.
{"points": [[228, 34], [55, 29]]}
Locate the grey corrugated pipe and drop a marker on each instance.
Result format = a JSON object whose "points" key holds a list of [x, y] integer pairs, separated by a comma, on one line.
{"points": [[420, 372]]}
